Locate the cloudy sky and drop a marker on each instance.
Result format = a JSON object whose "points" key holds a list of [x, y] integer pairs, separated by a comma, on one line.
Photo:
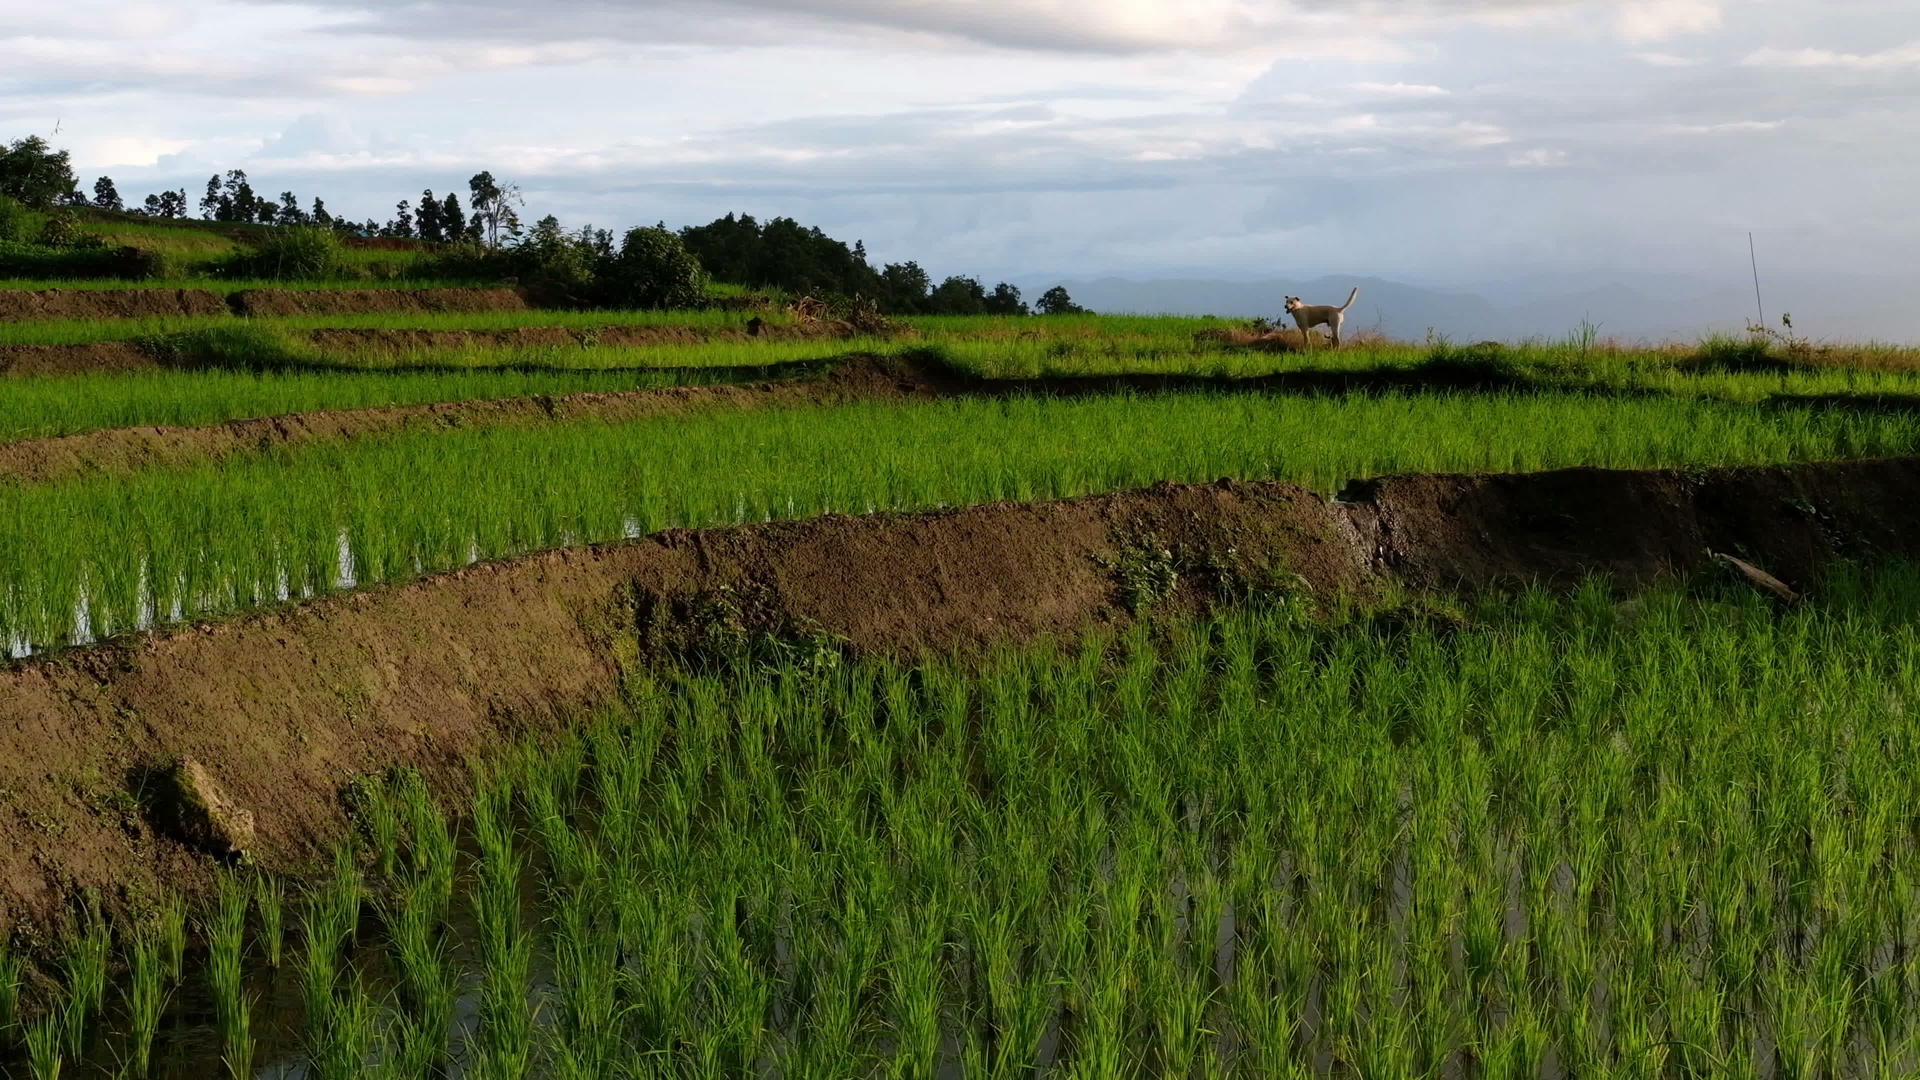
{"points": [[1442, 142]]}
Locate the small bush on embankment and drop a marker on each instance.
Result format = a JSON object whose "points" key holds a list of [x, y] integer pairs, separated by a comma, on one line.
{"points": [[299, 253], [40, 261], [51, 245], [18, 224], [240, 346]]}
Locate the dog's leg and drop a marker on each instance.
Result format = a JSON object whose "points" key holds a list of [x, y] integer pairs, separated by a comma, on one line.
{"points": [[1334, 325], [1306, 334]]}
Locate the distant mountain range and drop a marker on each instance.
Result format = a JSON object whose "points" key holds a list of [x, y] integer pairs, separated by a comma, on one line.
{"points": [[1659, 310]]}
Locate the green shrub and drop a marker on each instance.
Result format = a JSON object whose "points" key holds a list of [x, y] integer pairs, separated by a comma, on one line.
{"points": [[17, 223], [466, 261], [1486, 364], [653, 269], [300, 252], [41, 261], [233, 348], [1722, 352], [60, 228]]}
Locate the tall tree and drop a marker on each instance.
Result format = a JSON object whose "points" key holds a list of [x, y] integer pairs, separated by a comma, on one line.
{"points": [[105, 195], [35, 173], [210, 202], [237, 200], [453, 220], [1006, 301], [1055, 301], [427, 217], [959, 296], [402, 223], [494, 204], [167, 204], [290, 212], [319, 215], [904, 288]]}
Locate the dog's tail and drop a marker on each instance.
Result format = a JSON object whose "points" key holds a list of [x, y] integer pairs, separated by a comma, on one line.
{"points": [[1350, 296]]}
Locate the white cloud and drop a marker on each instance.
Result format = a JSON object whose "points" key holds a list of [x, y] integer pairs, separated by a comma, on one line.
{"points": [[368, 84], [1537, 158], [108, 151], [1398, 90], [1900, 56], [1667, 60], [1733, 127], [1656, 20]]}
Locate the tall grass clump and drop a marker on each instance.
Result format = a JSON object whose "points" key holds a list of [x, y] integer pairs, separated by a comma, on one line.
{"points": [[299, 252]]}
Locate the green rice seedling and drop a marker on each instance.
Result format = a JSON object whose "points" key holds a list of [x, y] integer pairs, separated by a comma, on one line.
{"points": [[506, 1027], [171, 928], [429, 982], [226, 974], [146, 998], [45, 1040], [379, 821], [336, 1033], [586, 979], [270, 899], [345, 1046], [10, 973], [84, 967], [237, 1040]]}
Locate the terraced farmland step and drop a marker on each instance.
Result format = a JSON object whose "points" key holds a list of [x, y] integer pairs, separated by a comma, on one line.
{"points": [[41, 461], [284, 707]]}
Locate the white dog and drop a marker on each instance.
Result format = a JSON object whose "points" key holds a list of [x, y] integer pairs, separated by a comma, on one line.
{"points": [[1307, 316]]}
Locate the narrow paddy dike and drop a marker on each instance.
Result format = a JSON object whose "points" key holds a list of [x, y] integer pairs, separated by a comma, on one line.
{"points": [[285, 707], [806, 384]]}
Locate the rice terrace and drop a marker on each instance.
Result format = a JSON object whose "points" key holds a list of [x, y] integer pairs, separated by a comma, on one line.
{"points": [[456, 647]]}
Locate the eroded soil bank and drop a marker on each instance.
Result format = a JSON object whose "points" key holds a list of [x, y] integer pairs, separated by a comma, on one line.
{"points": [[283, 708]]}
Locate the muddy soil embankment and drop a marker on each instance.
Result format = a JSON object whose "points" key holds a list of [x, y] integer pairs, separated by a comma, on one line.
{"points": [[285, 707]]}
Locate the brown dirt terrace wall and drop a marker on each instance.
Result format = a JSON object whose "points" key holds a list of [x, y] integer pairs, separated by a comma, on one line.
{"points": [[370, 301], [285, 707], [19, 305]]}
